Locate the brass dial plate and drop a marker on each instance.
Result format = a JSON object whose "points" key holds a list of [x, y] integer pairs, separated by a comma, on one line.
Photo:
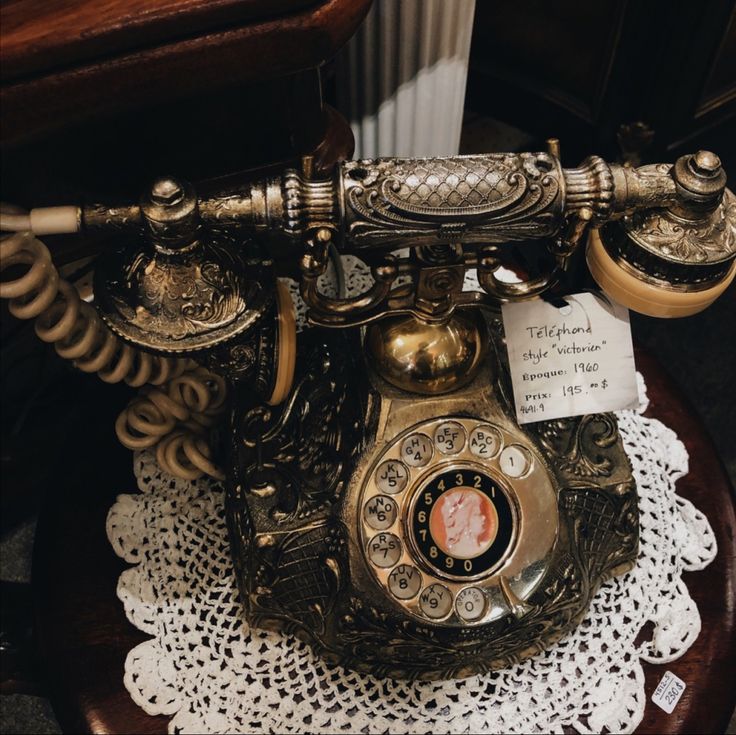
{"points": [[490, 473]]}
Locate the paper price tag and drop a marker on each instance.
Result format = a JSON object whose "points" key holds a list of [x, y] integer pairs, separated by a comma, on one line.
{"points": [[668, 692], [569, 361]]}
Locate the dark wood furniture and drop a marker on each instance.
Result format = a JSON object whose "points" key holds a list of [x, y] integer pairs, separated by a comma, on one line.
{"points": [[74, 60], [579, 71], [100, 97], [84, 637]]}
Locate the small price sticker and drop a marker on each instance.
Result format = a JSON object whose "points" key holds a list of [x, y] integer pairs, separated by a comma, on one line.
{"points": [[569, 360], [668, 692]]}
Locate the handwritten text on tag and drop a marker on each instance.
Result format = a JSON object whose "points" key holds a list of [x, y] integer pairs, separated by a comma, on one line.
{"points": [[569, 361], [668, 692]]}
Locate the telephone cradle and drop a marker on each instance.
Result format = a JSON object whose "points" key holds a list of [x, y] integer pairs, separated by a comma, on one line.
{"points": [[383, 503]]}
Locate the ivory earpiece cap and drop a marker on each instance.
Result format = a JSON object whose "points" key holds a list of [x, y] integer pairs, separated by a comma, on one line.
{"points": [[627, 286]]}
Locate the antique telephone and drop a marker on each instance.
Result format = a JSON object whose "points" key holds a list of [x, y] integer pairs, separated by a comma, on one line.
{"points": [[383, 503]]}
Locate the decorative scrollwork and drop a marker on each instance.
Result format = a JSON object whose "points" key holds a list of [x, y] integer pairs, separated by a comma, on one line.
{"points": [[123, 219], [712, 239], [251, 357], [300, 452], [603, 529], [575, 445], [470, 198], [277, 592], [297, 567], [203, 297], [172, 300]]}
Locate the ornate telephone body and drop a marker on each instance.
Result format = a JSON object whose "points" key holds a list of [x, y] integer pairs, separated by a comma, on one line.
{"points": [[383, 504]]}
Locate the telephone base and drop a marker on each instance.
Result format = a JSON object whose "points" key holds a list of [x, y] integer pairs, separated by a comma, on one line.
{"points": [[421, 538]]}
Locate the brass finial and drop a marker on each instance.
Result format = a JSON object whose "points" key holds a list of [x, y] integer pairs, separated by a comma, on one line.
{"points": [[166, 191], [553, 147], [705, 163]]}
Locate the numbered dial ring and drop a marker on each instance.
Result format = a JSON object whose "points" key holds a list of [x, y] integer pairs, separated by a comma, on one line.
{"points": [[454, 511]]}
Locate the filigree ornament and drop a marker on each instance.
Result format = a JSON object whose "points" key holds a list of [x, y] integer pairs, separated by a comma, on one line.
{"points": [[573, 444], [279, 571], [448, 198], [302, 449], [173, 300], [250, 358], [702, 241], [198, 299]]}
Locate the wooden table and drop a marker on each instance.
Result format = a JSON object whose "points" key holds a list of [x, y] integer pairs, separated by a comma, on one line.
{"points": [[84, 636]]}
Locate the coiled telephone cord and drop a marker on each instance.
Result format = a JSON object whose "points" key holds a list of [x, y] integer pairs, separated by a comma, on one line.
{"points": [[174, 418]]}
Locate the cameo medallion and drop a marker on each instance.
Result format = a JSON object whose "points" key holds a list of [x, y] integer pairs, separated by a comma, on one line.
{"points": [[462, 522]]}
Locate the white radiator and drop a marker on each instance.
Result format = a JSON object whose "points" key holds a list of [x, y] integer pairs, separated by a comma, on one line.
{"points": [[401, 79]]}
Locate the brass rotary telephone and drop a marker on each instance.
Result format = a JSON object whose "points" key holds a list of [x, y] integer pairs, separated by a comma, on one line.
{"points": [[383, 503]]}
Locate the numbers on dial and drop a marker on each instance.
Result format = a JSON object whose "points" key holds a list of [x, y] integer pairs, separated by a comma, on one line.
{"points": [[515, 461], [405, 581], [436, 601], [451, 480], [391, 476], [462, 523], [384, 550], [380, 512], [416, 450], [449, 437], [470, 603], [485, 442]]}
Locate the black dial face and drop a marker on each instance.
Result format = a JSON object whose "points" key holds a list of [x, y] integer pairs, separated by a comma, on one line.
{"points": [[462, 522]]}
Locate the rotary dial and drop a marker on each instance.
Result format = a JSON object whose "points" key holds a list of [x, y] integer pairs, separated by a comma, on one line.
{"points": [[454, 513]]}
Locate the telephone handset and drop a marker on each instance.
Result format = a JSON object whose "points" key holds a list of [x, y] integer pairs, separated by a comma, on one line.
{"points": [[383, 503]]}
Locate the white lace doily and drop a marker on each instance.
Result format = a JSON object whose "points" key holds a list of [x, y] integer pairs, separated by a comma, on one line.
{"points": [[210, 673]]}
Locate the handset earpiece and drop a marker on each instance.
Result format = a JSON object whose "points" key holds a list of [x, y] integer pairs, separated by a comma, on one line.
{"points": [[674, 261]]}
